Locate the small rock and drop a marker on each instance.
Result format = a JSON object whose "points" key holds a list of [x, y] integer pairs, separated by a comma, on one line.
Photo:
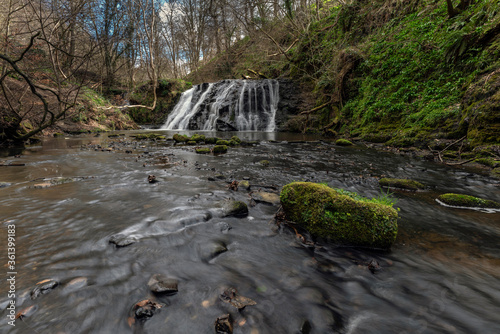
{"points": [[244, 184], [145, 309], [232, 297], [224, 227], [159, 283], [43, 287], [235, 208], [224, 324], [374, 266], [122, 241], [264, 163], [211, 178], [152, 179], [4, 184], [265, 197]]}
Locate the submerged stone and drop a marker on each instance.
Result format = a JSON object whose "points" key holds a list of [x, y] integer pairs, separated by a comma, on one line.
{"points": [[222, 142], [265, 197], [467, 201], [203, 150], [232, 297], [160, 283], [180, 138], [43, 287], [224, 324], [220, 149], [235, 208], [406, 184], [244, 185], [121, 240], [326, 213]]}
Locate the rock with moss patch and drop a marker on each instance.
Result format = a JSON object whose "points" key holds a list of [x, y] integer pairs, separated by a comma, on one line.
{"points": [[326, 213], [235, 209], [264, 163], [265, 197], [220, 149], [405, 184], [197, 138], [191, 142], [244, 185], [203, 150], [180, 138], [236, 139], [222, 142], [466, 201], [343, 142], [211, 140]]}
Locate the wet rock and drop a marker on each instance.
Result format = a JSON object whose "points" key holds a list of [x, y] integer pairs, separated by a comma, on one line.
{"points": [[191, 142], [232, 297], [197, 138], [244, 185], [121, 240], [405, 184], [180, 138], [4, 184], [75, 284], [466, 201], [211, 178], [222, 142], [43, 287], [144, 309], [42, 185], [264, 163], [224, 324], [202, 150], [265, 197], [327, 213], [160, 283], [211, 140], [305, 327], [152, 179], [218, 149], [235, 208], [343, 142], [211, 250], [224, 227], [374, 266]]}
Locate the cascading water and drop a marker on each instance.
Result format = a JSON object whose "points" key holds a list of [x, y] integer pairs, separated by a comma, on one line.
{"points": [[243, 105]]}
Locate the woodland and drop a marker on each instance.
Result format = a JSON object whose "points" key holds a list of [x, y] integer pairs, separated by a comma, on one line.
{"points": [[400, 72]]}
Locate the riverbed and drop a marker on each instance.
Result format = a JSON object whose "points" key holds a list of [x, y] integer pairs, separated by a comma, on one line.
{"points": [[74, 194]]}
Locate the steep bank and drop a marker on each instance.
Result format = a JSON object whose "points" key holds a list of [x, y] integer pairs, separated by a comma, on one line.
{"points": [[391, 72]]}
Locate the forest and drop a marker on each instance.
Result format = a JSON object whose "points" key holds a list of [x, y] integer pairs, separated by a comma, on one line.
{"points": [[403, 72]]}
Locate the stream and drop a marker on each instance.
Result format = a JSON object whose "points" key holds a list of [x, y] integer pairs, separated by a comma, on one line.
{"points": [[441, 276]]}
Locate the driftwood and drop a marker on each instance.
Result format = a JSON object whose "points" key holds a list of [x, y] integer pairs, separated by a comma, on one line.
{"points": [[260, 75], [288, 49]]}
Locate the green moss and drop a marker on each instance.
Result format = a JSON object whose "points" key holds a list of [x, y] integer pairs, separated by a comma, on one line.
{"points": [[234, 143], [467, 201], [57, 134], [191, 142], [203, 150], [197, 138], [490, 162], [180, 138], [343, 142], [496, 172], [264, 163], [236, 139], [147, 136], [222, 142], [244, 184], [401, 184], [326, 213], [220, 149], [211, 140]]}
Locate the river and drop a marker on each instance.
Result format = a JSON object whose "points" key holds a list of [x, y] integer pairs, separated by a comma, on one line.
{"points": [[441, 276]]}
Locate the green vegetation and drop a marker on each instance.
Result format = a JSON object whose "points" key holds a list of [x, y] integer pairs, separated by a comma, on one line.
{"points": [[401, 184], [343, 142], [202, 150], [467, 201], [219, 149], [222, 142], [180, 138], [339, 215]]}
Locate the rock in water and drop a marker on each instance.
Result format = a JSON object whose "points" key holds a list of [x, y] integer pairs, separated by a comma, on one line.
{"points": [[43, 287], [264, 197], [159, 283], [224, 324], [232, 297], [235, 208], [466, 201], [326, 213], [405, 184]]}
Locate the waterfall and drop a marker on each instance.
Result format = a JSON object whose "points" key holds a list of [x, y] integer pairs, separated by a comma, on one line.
{"points": [[243, 105]]}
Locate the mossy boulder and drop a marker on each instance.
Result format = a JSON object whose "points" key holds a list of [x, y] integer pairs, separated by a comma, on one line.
{"points": [[244, 185], [220, 149], [406, 184], [211, 140], [234, 143], [236, 139], [343, 142], [326, 213], [203, 150], [191, 142], [197, 138], [222, 142], [467, 201], [180, 138]]}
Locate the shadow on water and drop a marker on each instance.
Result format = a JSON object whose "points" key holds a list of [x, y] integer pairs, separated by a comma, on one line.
{"points": [[73, 195]]}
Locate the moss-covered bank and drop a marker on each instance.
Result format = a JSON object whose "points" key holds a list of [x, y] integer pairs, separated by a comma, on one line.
{"points": [[327, 213]]}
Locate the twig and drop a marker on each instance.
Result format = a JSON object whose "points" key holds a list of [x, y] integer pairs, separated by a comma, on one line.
{"points": [[315, 109], [460, 163]]}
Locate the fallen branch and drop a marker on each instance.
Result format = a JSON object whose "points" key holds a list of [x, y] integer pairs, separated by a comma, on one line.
{"points": [[459, 163], [126, 107], [260, 75], [288, 49], [455, 142], [315, 109]]}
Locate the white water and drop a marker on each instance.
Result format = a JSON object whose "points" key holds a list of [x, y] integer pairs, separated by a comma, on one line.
{"points": [[254, 109]]}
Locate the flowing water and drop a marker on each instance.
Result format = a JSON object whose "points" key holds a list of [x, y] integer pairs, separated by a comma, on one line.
{"points": [[441, 276]]}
